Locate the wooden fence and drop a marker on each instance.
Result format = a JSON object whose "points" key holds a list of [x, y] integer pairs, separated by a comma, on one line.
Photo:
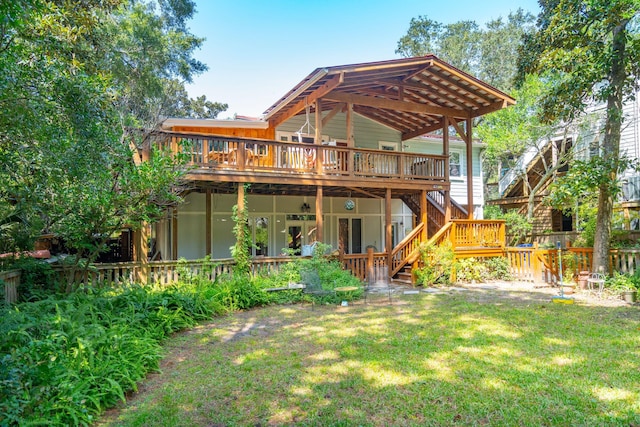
{"points": [[11, 281], [165, 272], [526, 263]]}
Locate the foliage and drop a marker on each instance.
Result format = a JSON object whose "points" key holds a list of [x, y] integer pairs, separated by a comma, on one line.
{"points": [[241, 250], [517, 225], [489, 54], [75, 76], [37, 278], [592, 48], [482, 270], [66, 358], [621, 282], [437, 264], [509, 132]]}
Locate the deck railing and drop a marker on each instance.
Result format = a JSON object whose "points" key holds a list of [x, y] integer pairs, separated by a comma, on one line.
{"points": [[241, 154], [478, 233]]}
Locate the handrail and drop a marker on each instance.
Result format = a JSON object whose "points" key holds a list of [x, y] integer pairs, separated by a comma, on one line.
{"points": [[212, 152], [400, 255]]}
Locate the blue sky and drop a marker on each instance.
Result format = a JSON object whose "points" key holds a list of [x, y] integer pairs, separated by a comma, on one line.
{"points": [[258, 50]]}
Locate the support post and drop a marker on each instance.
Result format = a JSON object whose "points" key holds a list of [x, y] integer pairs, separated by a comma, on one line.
{"points": [[370, 273], [388, 240], [423, 214], [350, 139], [208, 222], [174, 234], [140, 253], [470, 167], [447, 179], [319, 219], [318, 139]]}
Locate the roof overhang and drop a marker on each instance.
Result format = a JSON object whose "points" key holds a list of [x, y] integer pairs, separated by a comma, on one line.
{"points": [[171, 123], [410, 95]]}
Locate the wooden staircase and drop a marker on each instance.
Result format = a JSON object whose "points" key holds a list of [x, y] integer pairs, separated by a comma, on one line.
{"points": [[435, 209], [468, 238]]}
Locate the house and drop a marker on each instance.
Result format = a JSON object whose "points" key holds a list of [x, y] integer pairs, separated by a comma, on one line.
{"points": [[553, 156], [357, 156]]}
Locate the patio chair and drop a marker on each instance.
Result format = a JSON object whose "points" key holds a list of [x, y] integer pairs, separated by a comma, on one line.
{"points": [[596, 279], [312, 286]]}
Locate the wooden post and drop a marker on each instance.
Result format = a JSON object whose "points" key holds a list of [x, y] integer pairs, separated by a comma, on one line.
{"points": [[370, 276], [241, 156], [423, 214], [536, 271], [208, 222], [470, 167], [318, 139], [140, 253], [388, 241], [447, 178], [174, 234], [350, 139], [319, 219], [503, 234]]}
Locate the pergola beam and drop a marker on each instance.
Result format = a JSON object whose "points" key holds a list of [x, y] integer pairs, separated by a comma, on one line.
{"points": [[330, 84], [390, 104]]}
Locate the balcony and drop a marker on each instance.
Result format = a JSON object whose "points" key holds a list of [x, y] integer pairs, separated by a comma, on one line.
{"points": [[220, 158]]}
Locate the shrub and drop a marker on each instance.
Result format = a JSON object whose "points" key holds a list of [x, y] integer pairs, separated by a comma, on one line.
{"points": [[438, 263], [472, 269], [498, 268], [66, 358]]}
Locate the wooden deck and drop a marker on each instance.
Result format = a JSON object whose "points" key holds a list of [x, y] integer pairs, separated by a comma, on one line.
{"points": [[267, 161]]}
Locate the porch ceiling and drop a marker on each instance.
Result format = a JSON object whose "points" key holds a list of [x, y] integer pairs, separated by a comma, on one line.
{"points": [[410, 95], [301, 190]]}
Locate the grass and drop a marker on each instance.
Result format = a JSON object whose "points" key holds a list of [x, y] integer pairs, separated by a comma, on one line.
{"points": [[441, 360]]}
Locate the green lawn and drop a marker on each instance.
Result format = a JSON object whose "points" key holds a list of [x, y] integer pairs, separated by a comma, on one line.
{"points": [[448, 359]]}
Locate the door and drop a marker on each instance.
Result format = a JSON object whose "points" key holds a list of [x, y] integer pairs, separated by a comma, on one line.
{"points": [[350, 235], [299, 234]]}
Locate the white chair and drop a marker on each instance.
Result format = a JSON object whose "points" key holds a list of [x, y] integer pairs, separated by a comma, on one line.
{"points": [[596, 279]]}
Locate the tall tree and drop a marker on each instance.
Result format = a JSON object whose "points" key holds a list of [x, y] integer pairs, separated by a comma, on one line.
{"points": [[593, 48], [488, 53], [511, 132], [75, 78]]}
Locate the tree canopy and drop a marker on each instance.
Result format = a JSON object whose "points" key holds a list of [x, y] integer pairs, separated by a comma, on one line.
{"points": [[75, 79], [592, 49], [488, 53]]}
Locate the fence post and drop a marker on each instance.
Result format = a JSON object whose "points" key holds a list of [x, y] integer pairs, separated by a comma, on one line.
{"points": [[370, 270], [535, 263]]}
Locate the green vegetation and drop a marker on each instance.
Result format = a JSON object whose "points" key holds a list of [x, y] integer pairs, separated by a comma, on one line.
{"points": [[64, 359], [482, 270], [79, 80], [437, 264], [440, 360], [592, 49]]}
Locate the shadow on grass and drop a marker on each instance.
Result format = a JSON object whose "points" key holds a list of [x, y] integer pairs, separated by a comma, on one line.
{"points": [[426, 360]]}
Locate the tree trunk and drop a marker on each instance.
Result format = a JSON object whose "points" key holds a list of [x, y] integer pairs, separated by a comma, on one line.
{"points": [[610, 151]]}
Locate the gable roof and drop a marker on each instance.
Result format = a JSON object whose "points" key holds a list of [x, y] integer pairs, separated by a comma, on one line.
{"points": [[410, 95]]}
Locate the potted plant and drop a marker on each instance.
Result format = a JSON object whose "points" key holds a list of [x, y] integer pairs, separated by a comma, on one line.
{"points": [[625, 286]]}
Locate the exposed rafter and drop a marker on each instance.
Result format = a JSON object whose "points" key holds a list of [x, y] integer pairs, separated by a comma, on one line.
{"points": [[395, 105], [327, 87]]}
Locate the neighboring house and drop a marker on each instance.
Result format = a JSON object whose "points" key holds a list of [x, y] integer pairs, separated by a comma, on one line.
{"points": [[341, 158], [582, 141]]}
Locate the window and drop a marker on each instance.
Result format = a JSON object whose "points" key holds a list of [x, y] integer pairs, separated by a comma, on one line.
{"points": [[294, 137], [388, 146], [260, 236], [455, 163]]}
